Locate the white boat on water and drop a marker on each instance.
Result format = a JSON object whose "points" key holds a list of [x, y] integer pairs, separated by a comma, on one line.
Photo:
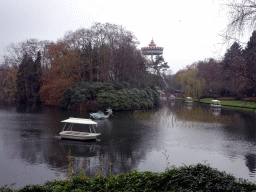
{"points": [[68, 133], [189, 100], [215, 103], [172, 98]]}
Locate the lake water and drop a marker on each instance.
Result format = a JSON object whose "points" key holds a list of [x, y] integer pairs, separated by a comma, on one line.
{"points": [[31, 151]]}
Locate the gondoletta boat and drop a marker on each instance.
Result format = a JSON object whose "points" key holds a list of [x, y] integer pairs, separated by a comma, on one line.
{"points": [[189, 100], [68, 133], [215, 103], [172, 98]]}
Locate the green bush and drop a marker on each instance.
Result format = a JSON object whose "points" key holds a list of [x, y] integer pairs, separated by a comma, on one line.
{"points": [[186, 178], [118, 96], [128, 99], [121, 85], [66, 99]]}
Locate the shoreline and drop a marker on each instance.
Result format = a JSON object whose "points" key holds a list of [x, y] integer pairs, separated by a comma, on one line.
{"points": [[231, 103], [228, 103]]}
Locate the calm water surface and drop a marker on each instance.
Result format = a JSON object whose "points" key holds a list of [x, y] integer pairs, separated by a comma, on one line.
{"points": [[31, 152]]}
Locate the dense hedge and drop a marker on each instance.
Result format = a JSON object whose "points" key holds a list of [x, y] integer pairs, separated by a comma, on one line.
{"points": [[119, 96], [186, 178]]}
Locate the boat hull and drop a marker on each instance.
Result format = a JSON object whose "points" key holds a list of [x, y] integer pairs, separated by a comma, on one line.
{"points": [[189, 102], [215, 106], [75, 135]]}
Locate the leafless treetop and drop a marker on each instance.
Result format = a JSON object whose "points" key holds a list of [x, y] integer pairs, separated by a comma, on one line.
{"points": [[242, 18]]}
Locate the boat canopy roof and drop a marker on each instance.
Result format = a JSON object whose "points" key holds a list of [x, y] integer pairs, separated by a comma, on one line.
{"points": [[79, 121], [188, 97], [215, 101]]}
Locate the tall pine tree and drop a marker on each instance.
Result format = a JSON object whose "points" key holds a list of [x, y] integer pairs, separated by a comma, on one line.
{"points": [[249, 54], [251, 43], [36, 78], [231, 69], [29, 79]]}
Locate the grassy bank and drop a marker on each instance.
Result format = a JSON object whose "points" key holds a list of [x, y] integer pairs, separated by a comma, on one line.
{"points": [[179, 98], [186, 178], [233, 103]]}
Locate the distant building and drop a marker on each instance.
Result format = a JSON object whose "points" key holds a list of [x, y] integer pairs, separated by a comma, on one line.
{"points": [[152, 49]]}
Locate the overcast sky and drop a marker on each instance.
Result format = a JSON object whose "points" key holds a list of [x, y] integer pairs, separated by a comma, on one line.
{"points": [[187, 29]]}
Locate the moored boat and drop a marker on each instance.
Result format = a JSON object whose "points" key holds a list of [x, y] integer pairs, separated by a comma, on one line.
{"points": [[215, 103], [172, 98], [189, 100]]}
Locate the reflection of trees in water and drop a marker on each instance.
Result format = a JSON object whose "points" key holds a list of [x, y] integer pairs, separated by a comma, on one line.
{"points": [[243, 126], [240, 123], [119, 163], [81, 153], [29, 108], [198, 113], [123, 149], [144, 115], [28, 126], [216, 111], [250, 162], [248, 122], [122, 143]]}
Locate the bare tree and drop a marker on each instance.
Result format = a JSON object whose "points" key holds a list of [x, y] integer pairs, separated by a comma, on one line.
{"points": [[16, 51], [242, 18]]}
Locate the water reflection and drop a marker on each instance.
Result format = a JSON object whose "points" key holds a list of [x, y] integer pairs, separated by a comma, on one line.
{"points": [[130, 140], [201, 113], [172, 103], [29, 108], [216, 111], [250, 161], [189, 105]]}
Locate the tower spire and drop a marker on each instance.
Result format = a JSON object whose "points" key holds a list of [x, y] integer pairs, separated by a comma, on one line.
{"points": [[152, 49]]}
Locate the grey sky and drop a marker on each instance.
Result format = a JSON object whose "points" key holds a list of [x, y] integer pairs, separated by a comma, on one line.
{"points": [[188, 30]]}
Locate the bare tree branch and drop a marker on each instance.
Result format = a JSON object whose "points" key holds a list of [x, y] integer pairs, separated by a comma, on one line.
{"points": [[242, 18]]}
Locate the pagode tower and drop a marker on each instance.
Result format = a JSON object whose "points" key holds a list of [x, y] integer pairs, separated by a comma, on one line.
{"points": [[152, 49]]}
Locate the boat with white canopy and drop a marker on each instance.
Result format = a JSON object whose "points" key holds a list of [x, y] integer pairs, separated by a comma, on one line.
{"points": [[189, 100], [215, 103], [68, 133], [172, 98]]}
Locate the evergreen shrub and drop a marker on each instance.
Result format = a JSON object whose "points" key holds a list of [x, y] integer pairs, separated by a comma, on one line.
{"points": [[186, 178], [118, 96]]}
